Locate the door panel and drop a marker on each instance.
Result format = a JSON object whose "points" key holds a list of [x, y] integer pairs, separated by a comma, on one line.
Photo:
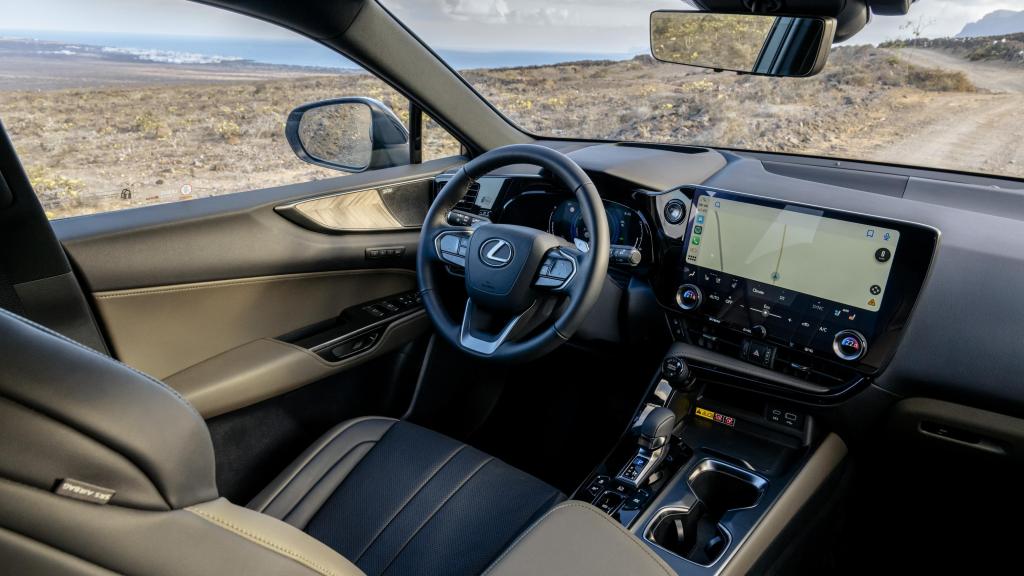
{"points": [[232, 236], [165, 329], [199, 292], [266, 368]]}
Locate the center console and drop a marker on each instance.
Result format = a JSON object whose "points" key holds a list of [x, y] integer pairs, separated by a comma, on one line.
{"points": [[814, 294], [709, 477], [775, 309]]}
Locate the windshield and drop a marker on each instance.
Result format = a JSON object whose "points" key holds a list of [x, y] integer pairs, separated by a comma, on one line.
{"points": [[942, 87]]}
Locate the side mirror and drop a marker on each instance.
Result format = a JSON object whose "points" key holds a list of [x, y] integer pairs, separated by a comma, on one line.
{"points": [[757, 44], [348, 134]]}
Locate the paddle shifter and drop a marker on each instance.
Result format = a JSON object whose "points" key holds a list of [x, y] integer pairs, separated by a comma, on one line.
{"points": [[653, 446]]}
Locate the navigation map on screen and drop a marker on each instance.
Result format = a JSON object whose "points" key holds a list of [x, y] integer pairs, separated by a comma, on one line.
{"points": [[795, 249]]}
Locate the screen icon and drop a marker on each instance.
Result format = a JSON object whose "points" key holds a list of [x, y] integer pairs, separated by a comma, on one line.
{"points": [[870, 233], [700, 218], [696, 240], [883, 254], [886, 236], [698, 229], [875, 289]]}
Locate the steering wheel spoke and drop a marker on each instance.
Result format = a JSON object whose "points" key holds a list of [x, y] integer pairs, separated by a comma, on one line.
{"points": [[473, 338], [558, 269], [451, 246]]}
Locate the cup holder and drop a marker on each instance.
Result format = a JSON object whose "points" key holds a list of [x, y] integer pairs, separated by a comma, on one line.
{"points": [[696, 533]]}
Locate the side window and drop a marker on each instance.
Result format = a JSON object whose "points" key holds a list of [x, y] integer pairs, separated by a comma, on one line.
{"points": [[437, 142], [104, 120]]}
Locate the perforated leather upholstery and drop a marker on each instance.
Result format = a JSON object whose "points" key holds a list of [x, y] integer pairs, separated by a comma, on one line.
{"points": [[395, 498]]}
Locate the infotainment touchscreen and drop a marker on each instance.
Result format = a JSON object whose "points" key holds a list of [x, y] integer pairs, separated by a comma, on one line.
{"points": [[795, 249], [818, 281]]}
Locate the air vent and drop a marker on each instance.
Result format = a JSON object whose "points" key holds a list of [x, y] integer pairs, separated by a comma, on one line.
{"points": [[468, 201]]}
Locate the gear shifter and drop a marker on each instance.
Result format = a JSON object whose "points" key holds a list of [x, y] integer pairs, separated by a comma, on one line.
{"points": [[653, 445]]}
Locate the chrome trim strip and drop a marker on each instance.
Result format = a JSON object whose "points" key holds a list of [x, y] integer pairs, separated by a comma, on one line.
{"points": [[480, 345]]}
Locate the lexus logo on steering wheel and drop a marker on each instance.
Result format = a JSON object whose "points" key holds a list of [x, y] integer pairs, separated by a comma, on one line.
{"points": [[496, 252]]}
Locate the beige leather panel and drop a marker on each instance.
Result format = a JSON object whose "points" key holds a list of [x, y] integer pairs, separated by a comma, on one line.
{"points": [[265, 368], [214, 538], [165, 329], [274, 535], [574, 538]]}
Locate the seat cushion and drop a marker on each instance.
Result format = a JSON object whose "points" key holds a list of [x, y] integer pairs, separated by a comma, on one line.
{"points": [[395, 498]]}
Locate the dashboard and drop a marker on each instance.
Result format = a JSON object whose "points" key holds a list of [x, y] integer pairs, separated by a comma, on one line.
{"points": [[946, 324], [818, 295]]}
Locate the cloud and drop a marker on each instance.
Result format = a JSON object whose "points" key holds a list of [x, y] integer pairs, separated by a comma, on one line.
{"points": [[490, 11]]}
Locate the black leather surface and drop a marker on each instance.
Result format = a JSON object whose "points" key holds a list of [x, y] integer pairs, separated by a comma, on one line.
{"points": [[395, 499], [71, 412]]}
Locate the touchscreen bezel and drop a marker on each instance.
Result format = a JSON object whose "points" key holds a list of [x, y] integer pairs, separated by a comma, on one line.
{"points": [[910, 263]]}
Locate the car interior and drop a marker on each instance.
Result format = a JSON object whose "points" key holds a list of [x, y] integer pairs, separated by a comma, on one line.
{"points": [[541, 356]]}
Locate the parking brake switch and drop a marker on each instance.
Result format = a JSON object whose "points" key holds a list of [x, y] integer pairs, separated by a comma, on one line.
{"points": [[652, 447]]}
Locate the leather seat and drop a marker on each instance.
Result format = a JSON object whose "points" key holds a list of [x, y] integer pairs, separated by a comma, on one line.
{"points": [[395, 498], [105, 470]]}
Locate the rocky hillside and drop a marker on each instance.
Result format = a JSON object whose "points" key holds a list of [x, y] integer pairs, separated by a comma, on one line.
{"points": [[998, 23]]}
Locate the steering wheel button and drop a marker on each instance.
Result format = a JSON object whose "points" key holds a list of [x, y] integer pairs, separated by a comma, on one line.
{"points": [[561, 269], [450, 243]]}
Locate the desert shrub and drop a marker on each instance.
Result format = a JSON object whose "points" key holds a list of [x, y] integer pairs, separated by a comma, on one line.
{"points": [[150, 125], [228, 130], [935, 80], [55, 190]]}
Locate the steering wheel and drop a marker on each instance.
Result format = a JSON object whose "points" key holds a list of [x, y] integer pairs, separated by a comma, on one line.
{"points": [[528, 290]]}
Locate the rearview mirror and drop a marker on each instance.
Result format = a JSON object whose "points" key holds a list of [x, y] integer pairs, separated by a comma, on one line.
{"points": [[749, 43], [348, 134]]}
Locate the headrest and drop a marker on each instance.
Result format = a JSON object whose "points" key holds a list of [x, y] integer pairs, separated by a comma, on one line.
{"points": [[73, 420]]}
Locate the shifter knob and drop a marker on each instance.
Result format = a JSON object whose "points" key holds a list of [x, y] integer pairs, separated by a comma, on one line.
{"points": [[657, 427]]}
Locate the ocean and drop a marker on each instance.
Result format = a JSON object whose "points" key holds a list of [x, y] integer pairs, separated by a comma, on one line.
{"points": [[289, 52]]}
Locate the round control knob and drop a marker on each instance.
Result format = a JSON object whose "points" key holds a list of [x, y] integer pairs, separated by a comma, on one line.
{"points": [[675, 211], [849, 345], [759, 331], [689, 297]]}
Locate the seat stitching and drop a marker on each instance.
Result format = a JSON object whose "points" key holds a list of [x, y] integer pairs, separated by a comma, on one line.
{"points": [[407, 500], [313, 456], [436, 510], [103, 356], [324, 476], [252, 536], [575, 504]]}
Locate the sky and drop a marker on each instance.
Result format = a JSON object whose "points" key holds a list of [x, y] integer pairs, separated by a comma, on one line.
{"points": [[580, 26]]}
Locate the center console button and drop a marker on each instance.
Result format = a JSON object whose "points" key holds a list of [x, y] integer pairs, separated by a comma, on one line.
{"points": [[689, 297], [849, 345]]}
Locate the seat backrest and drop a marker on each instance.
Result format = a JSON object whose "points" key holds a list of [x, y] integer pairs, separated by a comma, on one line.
{"points": [[104, 469]]}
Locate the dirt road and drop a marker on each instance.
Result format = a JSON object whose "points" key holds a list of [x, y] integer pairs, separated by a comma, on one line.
{"points": [[991, 76], [977, 132]]}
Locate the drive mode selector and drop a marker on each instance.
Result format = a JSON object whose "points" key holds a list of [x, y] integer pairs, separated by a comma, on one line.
{"points": [[849, 345], [689, 297]]}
